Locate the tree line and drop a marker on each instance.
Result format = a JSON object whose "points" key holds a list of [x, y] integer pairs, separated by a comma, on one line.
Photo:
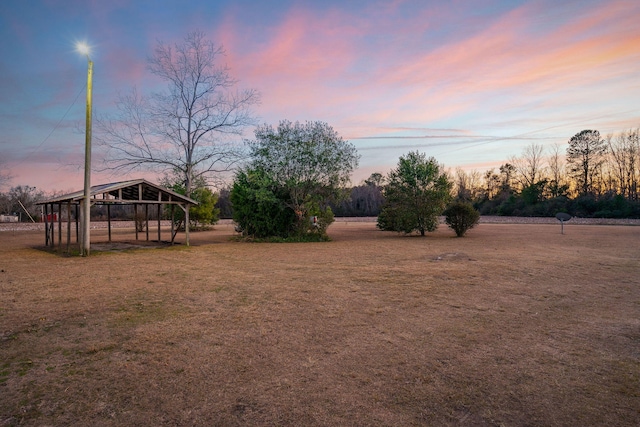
{"points": [[592, 177]]}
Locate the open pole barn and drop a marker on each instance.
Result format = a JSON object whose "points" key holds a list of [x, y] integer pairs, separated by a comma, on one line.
{"points": [[139, 193]]}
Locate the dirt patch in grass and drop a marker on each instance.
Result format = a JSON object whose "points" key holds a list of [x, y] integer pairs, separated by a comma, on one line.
{"points": [[511, 325]]}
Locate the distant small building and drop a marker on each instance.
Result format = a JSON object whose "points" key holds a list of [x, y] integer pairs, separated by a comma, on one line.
{"points": [[8, 218]]}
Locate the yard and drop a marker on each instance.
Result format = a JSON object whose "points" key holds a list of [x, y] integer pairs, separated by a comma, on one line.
{"points": [[515, 324]]}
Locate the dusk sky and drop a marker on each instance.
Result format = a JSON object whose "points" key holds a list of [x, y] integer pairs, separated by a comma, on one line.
{"points": [[468, 82]]}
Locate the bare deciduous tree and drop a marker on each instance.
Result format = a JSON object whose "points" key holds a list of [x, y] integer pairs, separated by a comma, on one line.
{"points": [[528, 167], [624, 150], [185, 129], [468, 185], [22, 200], [5, 174], [555, 164]]}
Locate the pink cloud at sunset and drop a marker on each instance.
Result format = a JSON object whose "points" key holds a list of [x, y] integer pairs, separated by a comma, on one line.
{"points": [[472, 83], [442, 82]]}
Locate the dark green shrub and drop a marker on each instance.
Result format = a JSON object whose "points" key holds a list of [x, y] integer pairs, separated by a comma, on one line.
{"points": [[460, 217], [259, 206]]}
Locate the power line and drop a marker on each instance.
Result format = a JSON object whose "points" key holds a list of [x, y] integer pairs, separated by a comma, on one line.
{"points": [[448, 144], [544, 129], [475, 142]]}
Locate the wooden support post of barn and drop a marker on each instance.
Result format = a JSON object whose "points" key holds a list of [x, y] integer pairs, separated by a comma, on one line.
{"points": [[135, 218], [45, 212], [159, 212], [109, 220], [173, 221], [60, 225], [68, 226], [146, 220], [77, 224]]}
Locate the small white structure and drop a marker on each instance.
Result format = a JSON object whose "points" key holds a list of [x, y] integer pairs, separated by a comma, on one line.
{"points": [[8, 218]]}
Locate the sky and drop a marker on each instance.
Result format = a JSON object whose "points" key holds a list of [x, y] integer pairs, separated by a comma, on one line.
{"points": [[471, 83]]}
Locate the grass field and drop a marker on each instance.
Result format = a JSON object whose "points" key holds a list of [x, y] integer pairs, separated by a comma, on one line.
{"points": [[514, 325]]}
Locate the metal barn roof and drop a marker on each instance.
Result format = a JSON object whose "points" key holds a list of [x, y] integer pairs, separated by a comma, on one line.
{"points": [[125, 192]]}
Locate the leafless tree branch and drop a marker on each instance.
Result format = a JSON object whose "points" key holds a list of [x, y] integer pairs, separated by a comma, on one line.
{"points": [[187, 127]]}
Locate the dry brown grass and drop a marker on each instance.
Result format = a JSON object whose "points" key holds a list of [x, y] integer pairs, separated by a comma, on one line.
{"points": [[511, 325]]}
